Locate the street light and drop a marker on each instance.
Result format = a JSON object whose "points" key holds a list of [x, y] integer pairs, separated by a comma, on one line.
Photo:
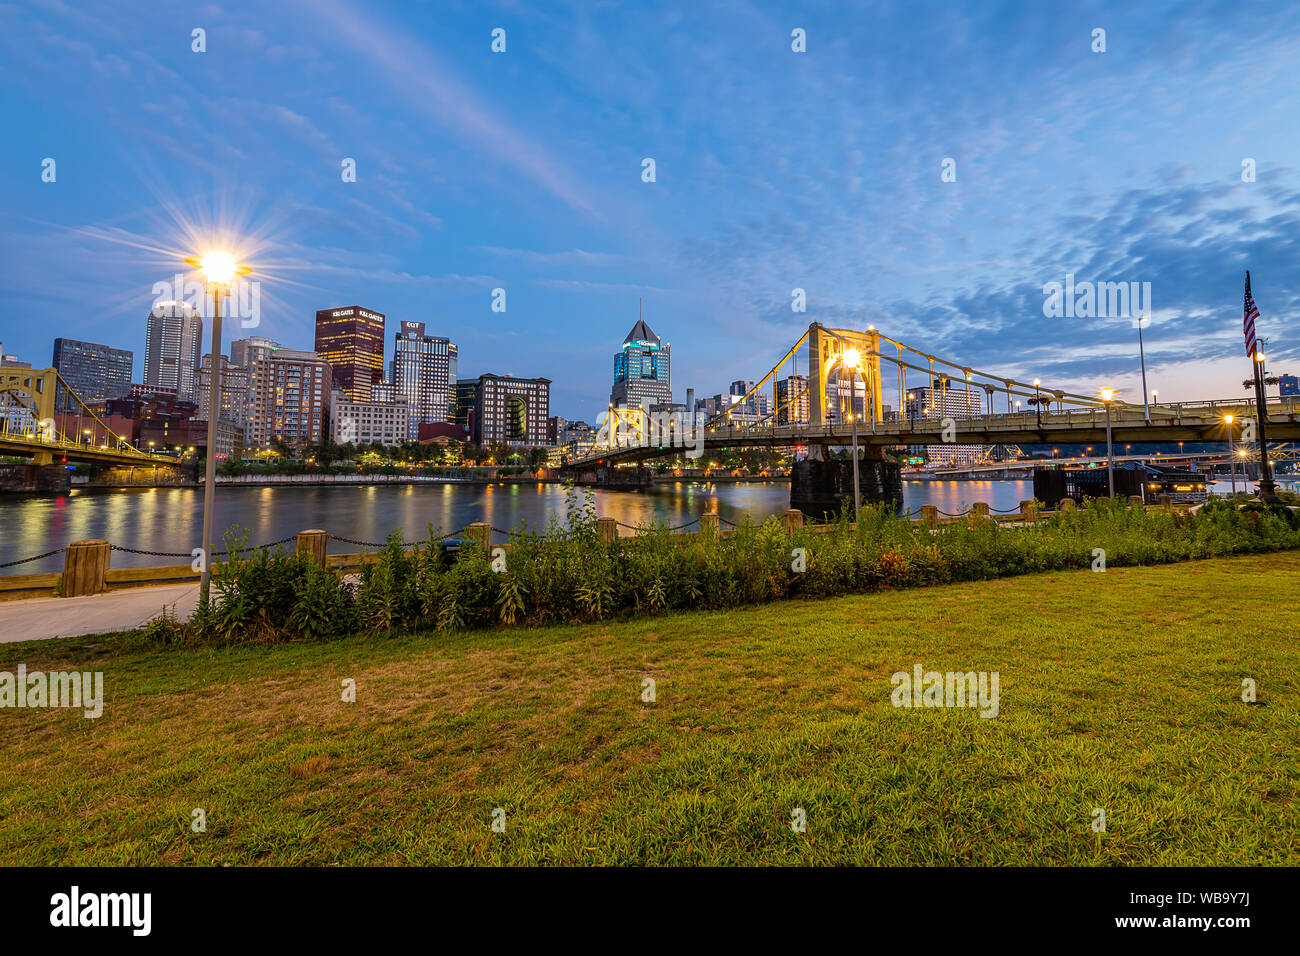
{"points": [[1108, 396], [853, 361], [1232, 462], [1146, 409], [218, 268], [1038, 407]]}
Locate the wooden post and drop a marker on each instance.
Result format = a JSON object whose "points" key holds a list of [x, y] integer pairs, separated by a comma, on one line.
{"points": [[980, 509], [313, 544], [1135, 501], [85, 564], [930, 516], [1067, 504], [481, 533], [608, 529], [1029, 510], [709, 524], [793, 520], [1165, 501]]}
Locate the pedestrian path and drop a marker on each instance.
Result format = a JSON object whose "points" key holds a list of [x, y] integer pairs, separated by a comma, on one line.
{"points": [[36, 619]]}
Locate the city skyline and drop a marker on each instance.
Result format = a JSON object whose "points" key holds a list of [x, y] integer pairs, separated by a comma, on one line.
{"points": [[764, 186]]}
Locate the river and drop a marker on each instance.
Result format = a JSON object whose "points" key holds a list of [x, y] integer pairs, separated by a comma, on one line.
{"points": [[170, 519]]}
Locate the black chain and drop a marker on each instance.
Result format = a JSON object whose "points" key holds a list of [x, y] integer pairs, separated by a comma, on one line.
{"points": [[10, 564], [190, 554]]}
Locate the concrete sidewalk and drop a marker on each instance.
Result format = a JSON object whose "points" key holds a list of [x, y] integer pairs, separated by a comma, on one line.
{"points": [[37, 619]]}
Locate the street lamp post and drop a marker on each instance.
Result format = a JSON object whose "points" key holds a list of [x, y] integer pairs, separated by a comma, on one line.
{"points": [[1232, 461], [218, 268], [1267, 487], [1107, 396], [1038, 407], [1146, 408], [852, 361]]}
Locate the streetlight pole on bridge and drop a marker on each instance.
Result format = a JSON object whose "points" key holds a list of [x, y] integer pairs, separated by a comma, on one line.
{"points": [[1108, 396]]}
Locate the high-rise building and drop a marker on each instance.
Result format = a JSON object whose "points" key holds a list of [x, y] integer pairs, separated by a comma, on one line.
{"points": [[1287, 385], [941, 400], [290, 398], [173, 336], [642, 370], [754, 408], [846, 395], [466, 405], [424, 375], [94, 372], [511, 410], [233, 385], [792, 400], [351, 339], [244, 352]]}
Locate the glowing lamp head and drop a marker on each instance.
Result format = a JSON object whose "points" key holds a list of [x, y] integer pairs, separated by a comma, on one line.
{"points": [[1107, 394], [218, 267], [852, 358], [1037, 382], [1228, 419]]}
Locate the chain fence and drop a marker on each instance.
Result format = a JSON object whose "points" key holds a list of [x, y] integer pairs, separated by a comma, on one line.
{"points": [[460, 533]]}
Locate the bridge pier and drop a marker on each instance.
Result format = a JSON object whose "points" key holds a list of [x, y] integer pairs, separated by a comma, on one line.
{"points": [[820, 488], [615, 479], [35, 479]]}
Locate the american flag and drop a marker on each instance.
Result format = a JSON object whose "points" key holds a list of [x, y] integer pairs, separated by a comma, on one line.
{"points": [[1249, 315]]}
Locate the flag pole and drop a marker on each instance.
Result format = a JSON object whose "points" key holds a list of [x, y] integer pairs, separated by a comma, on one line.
{"points": [[1267, 487]]}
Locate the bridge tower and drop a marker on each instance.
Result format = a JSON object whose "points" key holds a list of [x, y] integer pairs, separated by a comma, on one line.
{"points": [[826, 348], [33, 389], [819, 487]]}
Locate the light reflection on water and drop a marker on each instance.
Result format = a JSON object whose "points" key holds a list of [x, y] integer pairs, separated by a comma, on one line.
{"points": [[170, 519]]}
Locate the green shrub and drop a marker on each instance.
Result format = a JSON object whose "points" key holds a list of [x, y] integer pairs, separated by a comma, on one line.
{"points": [[569, 572]]}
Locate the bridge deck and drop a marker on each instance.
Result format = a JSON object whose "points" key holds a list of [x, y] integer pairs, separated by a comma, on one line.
{"points": [[1187, 422]]}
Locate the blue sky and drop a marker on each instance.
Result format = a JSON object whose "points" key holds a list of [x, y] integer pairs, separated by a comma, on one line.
{"points": [[775, 170]]}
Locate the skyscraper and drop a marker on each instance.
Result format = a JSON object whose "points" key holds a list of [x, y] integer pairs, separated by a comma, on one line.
{"points": [[792, 400], [351, 339], [642, 370], [233, 385], [94, 372], [172, 341], [946, 400], [290, 399], [424, 374]]}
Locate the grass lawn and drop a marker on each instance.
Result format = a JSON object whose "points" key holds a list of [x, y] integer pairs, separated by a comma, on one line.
{"points": [[1119, 690]]}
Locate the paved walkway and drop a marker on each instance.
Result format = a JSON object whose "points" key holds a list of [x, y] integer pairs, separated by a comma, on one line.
{"points": [[36, 619]]}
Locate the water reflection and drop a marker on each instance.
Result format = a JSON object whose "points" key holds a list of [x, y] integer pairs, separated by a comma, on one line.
{"points": [[170, 519]]}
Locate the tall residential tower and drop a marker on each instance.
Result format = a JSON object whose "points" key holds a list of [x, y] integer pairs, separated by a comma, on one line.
{"points": [[172, 341]]}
